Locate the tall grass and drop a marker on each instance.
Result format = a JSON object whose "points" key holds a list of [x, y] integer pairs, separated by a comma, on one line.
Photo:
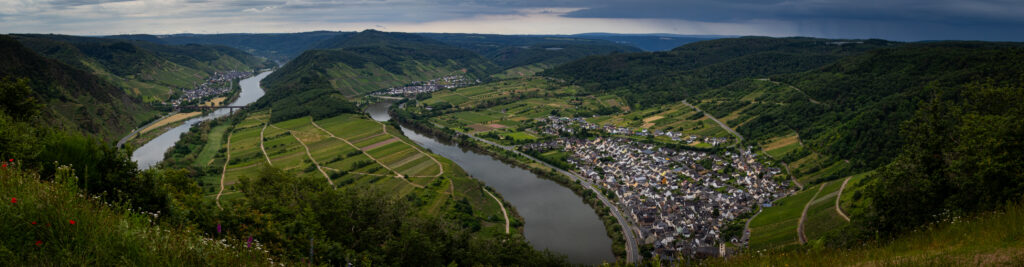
{"points": [[51, 223], [993, 238]]}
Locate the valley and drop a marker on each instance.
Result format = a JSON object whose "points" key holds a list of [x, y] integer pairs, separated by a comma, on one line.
{"points": [[399, 149]]}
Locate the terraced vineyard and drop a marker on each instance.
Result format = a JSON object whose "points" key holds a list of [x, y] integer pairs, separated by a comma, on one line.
{"points": [[349, 150]]}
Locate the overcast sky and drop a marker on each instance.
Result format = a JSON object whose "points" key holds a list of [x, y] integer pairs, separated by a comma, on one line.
{"points": [[888, 19]]}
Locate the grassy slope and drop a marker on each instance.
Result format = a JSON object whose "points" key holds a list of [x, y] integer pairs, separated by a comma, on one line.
{"points": [[287, 153], [776, 226], [986, 240], [37, 228]]}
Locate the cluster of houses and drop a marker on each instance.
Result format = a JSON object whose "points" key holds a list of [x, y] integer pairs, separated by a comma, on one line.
{"points": [[217, 84], [680, 200], [555, 125], [420, 87]]}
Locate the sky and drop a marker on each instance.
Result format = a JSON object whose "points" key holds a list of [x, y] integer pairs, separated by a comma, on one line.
{"points": [[904, 20]]}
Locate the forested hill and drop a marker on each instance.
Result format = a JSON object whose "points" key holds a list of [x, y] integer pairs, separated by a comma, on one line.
{"points": [[850, 95], [151, 71], [866, 97], [372, 60], [71, 99], [279, 47], [510, 51], [662, 77]]}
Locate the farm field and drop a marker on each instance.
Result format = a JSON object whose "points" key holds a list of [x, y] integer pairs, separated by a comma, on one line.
{"points": [[351, 150], [821, 215], [776, 226], [673, 117]]}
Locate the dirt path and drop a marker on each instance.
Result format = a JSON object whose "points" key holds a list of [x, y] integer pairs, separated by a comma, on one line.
{"points": [[792, 178], [224, 172], [746, 227], [261, 138], [502, 209], [398, 175], [321, 169], [840, 196], [720, 123], [816, 102], [803, 216]]}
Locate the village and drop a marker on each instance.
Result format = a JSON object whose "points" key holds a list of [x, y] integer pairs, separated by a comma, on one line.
{"points": [[681, 200], [421, 87], [554, 125], [217, 84]]}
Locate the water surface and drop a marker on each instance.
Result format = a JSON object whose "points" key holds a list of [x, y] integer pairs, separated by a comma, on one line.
{"points": [[152, 152], [556, 218]]}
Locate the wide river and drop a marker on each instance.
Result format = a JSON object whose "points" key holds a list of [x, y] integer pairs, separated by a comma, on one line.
{"points": [[556, 218], [153, 152]]}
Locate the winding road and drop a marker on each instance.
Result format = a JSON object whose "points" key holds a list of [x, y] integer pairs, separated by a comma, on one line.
{"points": [[739, 138], [840, 196], [502, 209], [803, 216], [224, 172], [632, 247]]}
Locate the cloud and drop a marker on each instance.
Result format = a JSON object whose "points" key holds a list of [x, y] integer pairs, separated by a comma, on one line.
{"points": [[890, 19]]}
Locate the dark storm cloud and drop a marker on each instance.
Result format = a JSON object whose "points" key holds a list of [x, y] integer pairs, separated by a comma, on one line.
{"points": [[894, 19], [889, 19]]}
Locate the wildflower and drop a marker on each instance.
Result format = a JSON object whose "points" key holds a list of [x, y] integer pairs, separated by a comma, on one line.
{"points": [[5, 165], [14, 200], [72, 222], [249, 243], [218, 228], [10, 160], [33, 223], [39, 243]]}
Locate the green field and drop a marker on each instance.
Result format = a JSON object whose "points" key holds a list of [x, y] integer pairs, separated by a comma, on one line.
{"points": [[354, 165], [821, 215], [216, 142], [776, 225]]}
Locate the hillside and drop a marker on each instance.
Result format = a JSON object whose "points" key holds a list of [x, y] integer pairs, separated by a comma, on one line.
{"points": [[512, 51], [649, 42], [150, 71], [279, 47], [372, 60], [653, 78], [72, 99]]}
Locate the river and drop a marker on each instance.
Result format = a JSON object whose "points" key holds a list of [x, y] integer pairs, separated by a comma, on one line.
{"points": [[153, 152], [555, 218]]}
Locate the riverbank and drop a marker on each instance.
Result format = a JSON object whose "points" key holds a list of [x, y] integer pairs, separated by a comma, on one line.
{"points": [[612, 228]]}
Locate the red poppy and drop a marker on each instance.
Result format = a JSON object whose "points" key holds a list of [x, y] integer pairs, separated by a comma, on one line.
{"points": [[33, 223], [39, 243], [71, 221], [5, 165], [14, 200], [10, 160]]}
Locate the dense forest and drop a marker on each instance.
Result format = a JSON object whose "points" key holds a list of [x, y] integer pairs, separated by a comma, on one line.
{"points": [[150, 71], [72, 98], [510, 51]]}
